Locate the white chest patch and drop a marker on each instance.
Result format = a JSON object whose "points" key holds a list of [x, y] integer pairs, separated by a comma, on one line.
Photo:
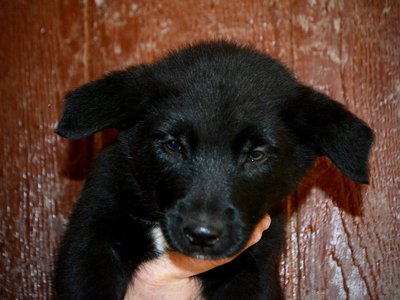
{"points": [[160, 244]]}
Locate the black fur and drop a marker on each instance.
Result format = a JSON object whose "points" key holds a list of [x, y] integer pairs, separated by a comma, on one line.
{"points": [[211, 138]]}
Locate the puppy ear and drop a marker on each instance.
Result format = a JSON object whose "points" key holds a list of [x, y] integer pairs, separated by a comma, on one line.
{"points": [[114, 101], [329, 129]]}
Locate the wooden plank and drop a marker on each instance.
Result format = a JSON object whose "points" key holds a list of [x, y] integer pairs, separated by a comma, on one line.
{"points": [[347, 247], [41, 54]]}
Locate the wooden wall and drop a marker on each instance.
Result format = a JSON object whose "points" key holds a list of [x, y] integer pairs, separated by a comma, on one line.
{"points": [[343, 239]]}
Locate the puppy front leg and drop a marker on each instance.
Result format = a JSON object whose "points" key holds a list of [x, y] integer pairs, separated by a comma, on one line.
{"points": [[90, 270]]}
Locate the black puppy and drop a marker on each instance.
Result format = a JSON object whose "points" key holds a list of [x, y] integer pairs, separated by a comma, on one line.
{"points": [[211, 139]]}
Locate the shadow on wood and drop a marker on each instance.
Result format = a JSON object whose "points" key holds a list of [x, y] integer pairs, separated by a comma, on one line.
{"points": [[344, 193], [81, 154]]}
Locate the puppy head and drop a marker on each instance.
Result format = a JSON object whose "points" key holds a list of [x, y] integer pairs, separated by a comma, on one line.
{"points": [[217, 134]]}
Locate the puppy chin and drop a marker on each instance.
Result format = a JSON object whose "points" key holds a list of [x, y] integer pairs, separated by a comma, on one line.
{"points": [[211, 254], [207, 256]]}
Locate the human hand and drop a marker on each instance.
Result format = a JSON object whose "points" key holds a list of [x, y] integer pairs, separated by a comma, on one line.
{"points": [[170, 276]]}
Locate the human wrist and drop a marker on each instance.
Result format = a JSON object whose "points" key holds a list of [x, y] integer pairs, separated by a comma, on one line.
{"points": [[149, 280]]}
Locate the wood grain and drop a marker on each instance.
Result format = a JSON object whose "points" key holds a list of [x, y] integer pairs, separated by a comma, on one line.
{"points": [[40, 57], [343, 239], [343, 48]]}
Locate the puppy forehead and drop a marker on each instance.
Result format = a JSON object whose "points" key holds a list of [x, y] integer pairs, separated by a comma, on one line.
{"points": [[216, 116], [218, 95]]}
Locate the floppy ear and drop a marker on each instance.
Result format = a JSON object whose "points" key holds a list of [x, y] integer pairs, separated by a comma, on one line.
{"points": [[329, 129], [115, 101]]}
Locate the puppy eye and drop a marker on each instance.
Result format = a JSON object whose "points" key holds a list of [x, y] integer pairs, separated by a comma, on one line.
{"points": [[172, 146], [256, 155]]}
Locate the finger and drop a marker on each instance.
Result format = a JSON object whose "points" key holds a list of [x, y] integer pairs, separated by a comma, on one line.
{"points": [[258, 231]]}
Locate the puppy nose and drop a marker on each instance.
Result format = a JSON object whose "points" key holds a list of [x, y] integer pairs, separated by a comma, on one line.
{"points": [[202, 235]]}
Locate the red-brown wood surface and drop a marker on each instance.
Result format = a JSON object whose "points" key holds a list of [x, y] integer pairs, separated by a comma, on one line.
{"points": [[343, 239]]}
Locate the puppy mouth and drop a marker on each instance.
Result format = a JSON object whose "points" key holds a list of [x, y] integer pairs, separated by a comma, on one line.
{"points": [[202, 254], [209, 253]]}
